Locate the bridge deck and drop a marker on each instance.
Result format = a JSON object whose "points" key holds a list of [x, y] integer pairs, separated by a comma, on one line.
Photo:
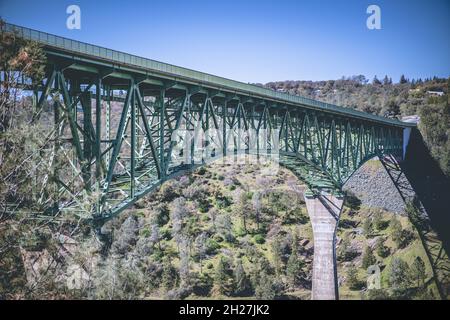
{"points": [[155, 68]]}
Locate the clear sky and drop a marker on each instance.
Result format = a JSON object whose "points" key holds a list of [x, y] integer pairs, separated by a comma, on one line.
{"points": [[260, 40]]}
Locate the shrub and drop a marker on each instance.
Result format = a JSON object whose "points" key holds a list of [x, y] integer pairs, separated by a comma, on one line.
{"points": [[212, 246], [381, 249], [260, 239], [218, 238]]}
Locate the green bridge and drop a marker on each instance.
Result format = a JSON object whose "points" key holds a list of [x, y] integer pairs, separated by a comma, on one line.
{"points": [[124, 152], [124, 124]]}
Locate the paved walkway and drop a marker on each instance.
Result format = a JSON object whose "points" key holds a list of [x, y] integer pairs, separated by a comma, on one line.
{"points": [[324, 213]]}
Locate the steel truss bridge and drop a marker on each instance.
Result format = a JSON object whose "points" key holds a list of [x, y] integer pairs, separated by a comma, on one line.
{"points": [[115, 115]]}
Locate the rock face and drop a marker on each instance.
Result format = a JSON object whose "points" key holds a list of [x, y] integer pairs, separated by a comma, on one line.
{"points": [[373, 186]]}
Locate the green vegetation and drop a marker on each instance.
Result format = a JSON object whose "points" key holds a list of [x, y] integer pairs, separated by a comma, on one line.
{"points": [[406, 272], [386, 98]]}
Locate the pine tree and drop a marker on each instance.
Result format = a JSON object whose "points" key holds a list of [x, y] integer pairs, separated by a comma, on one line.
{"points": [[169, 277], [242, 281], [403, 79], [294, 265], [352, 278], [377, 219], [220, 276], [276, 256], [265, 289], [418, 271], [368, 258], [376, 81], [381, 249], [399, 276], [367, 227], [243, 208], [396, 231]]}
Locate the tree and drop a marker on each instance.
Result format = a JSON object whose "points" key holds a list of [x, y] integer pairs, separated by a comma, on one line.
{"points": [[256, 202], [367, 227], [381, 249], [224, 226], [265, 289], [178, 215], [200, 246], [155, 236], [221, 277], [418, 271], [19, 58], [399, 276], [377, 219], [386, 80], [276, 255], [352, 278], [213, 212], [392, 109], [403, 79], [368, 258], [294, 264], [243, 208], [396, 231], [169, 275], [242, 281], [376, 81], [184, 252]]}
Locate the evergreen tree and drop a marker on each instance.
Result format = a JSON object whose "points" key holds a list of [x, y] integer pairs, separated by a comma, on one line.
{"points": [[243, 208], [396, 231], [381, 249], [265, 289], [169, 275], [294, 265], [367, 227], [352, 278], [242, 282], [221, 277], [377, 219], [418, 271], [376, 81], [403, 79], [276, 256], [399, 276], [368, 258]]}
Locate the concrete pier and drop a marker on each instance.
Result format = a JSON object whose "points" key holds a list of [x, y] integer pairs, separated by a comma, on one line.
{"points": [[324, 211]]}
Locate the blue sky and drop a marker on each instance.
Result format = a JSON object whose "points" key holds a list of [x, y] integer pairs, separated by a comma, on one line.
{"points": [[260, 40]]}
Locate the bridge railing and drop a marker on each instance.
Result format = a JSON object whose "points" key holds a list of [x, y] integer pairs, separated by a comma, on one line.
{"points": [[200, 77]]}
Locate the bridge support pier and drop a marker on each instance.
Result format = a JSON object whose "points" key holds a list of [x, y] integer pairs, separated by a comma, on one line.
{"points": [[324, 210]]}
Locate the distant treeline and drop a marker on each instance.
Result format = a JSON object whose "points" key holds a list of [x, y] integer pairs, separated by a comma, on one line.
{"points": [[427, 98]]}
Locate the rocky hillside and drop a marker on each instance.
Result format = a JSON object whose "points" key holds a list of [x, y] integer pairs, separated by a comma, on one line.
{"points": [[227, 231]]}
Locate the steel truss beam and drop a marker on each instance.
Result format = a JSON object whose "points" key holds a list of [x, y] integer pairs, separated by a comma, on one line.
{"points": [[121, 143]]}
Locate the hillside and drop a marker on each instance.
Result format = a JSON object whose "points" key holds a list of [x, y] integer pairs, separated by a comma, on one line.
{"points": [[223, 231], [427, 98]]}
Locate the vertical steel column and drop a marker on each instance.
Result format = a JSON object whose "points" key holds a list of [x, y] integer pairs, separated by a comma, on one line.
{"points": [[98, 128], [133, 138], [87, 145], [162, 111], [108, 122], [224, 127]]}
